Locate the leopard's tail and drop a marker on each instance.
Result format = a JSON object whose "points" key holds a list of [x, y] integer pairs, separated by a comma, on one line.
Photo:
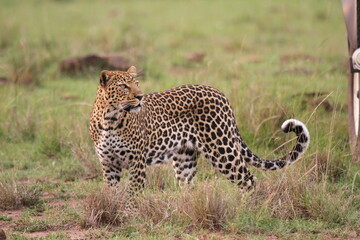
{"points": [[303, 140]]}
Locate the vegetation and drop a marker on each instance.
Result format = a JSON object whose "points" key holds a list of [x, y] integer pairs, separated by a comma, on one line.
{"points": [[273, 59]]}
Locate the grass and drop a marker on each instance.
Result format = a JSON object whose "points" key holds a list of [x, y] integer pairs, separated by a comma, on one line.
{"points": [[33, 226], [14, 195], [104, 206], [273, 60]]}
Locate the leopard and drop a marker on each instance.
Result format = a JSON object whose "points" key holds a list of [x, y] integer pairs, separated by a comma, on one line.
{"points": [[132, 130]]}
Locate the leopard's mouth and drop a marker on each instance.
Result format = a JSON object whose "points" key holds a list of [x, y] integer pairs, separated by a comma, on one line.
{"points": [[131, 108]]}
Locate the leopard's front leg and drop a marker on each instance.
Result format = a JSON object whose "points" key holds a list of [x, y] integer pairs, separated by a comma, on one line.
{"points": [[112, 174], [137, 180], [137, 175]]}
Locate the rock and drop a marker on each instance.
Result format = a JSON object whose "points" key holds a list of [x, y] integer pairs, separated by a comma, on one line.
{"points": [[2, 235], [95, 62], [81, 64]]}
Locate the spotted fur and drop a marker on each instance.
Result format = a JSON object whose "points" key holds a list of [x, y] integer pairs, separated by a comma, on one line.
{"points": [[131, 130]]}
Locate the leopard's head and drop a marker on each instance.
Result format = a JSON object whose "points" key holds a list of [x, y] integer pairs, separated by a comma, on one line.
{"points": [[121, 89]]}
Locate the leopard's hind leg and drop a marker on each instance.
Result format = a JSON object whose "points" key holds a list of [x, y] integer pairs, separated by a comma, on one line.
{"points": [[231, 165], [221, 146]]}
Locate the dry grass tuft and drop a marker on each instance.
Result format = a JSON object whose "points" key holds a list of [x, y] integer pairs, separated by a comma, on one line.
{"points": [[14, 195], [206, 206], [155, 209], [26, 65], [283, 197], [295, 196], [104, 206], [209, 206]]}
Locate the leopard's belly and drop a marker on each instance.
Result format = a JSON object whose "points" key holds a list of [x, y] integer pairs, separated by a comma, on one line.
{"points": [[114, 150], [160, 149]]}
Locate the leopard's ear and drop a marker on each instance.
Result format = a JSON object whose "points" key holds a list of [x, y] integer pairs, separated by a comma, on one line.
{"points": [[132, 71], [104, 78]]}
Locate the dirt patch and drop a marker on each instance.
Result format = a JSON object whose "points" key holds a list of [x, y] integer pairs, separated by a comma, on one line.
{"points": [[196, 57], [47, 195], [11, 219], [76, 233], [69, 97], [38, 234], [296, 71], [330, 238], [3, 81], [55, 202], [221, 236], [7, 225], [14, 215], [59, 203], [249, 59], [351, 235], [298, 57]]}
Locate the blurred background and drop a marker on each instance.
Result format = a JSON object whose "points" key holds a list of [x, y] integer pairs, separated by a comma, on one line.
{"points": [[274, 60]]}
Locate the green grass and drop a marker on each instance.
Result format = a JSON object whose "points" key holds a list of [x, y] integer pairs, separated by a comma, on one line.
{"points": [[265, 56]]}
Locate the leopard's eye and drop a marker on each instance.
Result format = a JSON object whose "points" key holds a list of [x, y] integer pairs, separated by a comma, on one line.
{"points": [[123, 86]]}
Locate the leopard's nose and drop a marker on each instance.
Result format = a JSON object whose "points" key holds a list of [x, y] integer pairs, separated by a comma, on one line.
{"points": [[139, 97]]}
